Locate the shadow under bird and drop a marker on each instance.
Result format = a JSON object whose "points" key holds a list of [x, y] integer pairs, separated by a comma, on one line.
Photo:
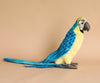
{"points": [[62, 57]]}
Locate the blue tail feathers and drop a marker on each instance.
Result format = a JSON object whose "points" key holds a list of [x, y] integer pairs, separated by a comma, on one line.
{"points": [[27, 62], [35, 64]]}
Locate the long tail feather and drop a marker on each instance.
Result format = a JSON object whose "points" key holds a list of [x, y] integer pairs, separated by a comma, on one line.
{"points": [[36, 64], [41, 66], [26, 62], [65, 66]]}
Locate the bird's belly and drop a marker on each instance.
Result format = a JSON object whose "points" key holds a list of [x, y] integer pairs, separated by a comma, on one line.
{"points": [[76, 46]]}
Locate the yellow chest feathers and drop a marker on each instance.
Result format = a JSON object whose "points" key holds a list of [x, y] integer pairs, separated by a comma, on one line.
{"points": [[77, 44]]}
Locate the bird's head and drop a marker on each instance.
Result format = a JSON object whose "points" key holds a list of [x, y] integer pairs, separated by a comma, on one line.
{"points": [[83, 24]]}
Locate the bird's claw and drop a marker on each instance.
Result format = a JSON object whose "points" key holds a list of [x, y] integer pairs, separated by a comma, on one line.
{"points": [[70, 66], [74, 63]]}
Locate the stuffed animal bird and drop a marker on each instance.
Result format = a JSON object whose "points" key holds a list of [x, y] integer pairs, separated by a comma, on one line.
{"points": [[62, 57]]}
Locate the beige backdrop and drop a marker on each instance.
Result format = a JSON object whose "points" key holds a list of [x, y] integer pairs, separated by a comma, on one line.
{"points": [[32, 29]]}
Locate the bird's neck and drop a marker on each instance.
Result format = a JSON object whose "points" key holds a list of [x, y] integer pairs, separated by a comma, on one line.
{"points": [[77, 30]]}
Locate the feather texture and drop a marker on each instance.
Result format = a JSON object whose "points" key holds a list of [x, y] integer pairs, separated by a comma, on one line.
{"points": [[26, 62], [63, 49]]}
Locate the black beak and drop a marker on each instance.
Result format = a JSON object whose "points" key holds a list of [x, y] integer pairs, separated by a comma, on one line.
{"points": [[86, 27]]}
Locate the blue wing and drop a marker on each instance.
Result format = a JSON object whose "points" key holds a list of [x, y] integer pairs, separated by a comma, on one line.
{"points": [[65, 46]]}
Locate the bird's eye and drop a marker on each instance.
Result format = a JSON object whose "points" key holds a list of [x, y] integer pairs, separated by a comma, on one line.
{"points": [[81, 22]]}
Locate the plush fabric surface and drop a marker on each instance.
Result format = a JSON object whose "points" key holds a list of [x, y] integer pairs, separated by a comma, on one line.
{"points": [[32, 29]]}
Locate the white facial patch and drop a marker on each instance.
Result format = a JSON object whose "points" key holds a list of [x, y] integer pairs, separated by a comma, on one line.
{"points": [[81, 24]]}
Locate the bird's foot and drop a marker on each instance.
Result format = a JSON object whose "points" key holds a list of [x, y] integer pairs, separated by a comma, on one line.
{"points": [[70, 66], [74, 63]]}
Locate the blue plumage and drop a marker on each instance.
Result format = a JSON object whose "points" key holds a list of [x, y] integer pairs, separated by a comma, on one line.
{"points": [[65, 47], [27, 62]]}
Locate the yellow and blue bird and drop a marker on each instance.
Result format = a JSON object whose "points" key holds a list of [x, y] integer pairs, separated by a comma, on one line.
{"points": [[62, 57]]}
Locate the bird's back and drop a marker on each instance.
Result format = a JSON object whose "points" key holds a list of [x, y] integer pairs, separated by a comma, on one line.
{"points": [[65, 46]]}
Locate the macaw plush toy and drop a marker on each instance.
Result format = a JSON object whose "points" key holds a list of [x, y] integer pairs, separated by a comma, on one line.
{"points": [[62, 57]]}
